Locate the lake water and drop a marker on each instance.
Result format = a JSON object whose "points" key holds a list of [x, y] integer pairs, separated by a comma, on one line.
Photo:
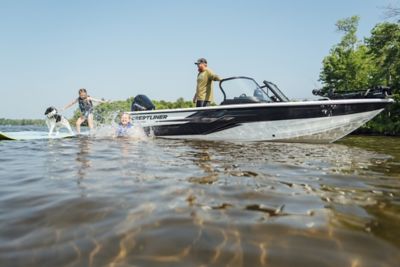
{"points": [[155, 202]]}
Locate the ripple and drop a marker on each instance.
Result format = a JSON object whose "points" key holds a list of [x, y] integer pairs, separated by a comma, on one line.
{"points": [[128, 202]]}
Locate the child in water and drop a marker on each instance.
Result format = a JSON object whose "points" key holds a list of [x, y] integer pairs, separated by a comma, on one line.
{"points": [[124, 125], [86, 107]]}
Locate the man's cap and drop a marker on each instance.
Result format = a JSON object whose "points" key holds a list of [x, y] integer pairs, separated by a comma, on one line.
{"points": [[201, 60]]}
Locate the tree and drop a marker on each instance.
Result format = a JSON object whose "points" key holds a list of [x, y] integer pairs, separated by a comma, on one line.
{"points": [[353, 65], [384, 46], [349, 27], [348, 66]]}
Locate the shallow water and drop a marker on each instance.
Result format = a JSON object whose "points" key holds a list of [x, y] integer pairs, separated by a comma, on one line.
{"points": [[155, 202]]}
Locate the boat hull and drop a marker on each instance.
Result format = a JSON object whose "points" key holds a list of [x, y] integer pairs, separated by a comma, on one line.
{"points": [[310, 121]]}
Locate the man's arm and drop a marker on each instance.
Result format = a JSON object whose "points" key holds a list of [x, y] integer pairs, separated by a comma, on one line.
{"points": [[213, 76]]}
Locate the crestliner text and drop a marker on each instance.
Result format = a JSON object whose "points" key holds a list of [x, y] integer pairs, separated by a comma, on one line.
{"points": [[150, 117]]}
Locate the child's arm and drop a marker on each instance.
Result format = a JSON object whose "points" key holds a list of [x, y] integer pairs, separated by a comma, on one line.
{"points": [[97, 100], [70, 104]]}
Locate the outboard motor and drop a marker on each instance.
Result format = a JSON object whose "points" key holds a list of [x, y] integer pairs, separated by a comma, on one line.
{"points": [[142, 102]]}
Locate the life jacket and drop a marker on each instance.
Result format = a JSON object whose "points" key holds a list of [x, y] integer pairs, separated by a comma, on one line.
{"points": [[85, 105], [123, 130]]}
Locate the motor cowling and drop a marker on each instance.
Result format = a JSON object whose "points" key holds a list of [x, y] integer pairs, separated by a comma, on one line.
{"points": [[142, 102]]}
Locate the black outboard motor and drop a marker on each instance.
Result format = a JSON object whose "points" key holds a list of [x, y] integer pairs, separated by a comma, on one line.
{"points": [[142, 102]]}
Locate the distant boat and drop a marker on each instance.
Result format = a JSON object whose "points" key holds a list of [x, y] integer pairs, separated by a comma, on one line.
{"points": [[250, 112]]}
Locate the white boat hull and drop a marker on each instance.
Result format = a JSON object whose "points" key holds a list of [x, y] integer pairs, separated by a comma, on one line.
{"points": [[308, 121], [315, 130]]}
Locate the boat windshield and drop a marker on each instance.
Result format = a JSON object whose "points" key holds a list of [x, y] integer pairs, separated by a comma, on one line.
{"points": [[242, 90], [278, 96], [238, 90]]}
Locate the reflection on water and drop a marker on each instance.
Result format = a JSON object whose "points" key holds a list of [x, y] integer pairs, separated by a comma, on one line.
{"points": [[126, 202], [82, 157]]}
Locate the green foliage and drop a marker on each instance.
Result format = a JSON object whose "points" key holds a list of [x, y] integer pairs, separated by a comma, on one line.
{"points": [[345, 70], [4, 121], [179, 103], [349, 27], [384, 46], [349, 65], [386, 123], [354, 65], [105, 111]]}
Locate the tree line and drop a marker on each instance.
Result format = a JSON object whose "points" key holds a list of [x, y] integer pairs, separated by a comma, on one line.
{"points": [[4, 121], [104, 111]]}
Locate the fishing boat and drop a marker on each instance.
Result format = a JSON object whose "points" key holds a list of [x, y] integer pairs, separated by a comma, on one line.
{"points": [[252, 112]]}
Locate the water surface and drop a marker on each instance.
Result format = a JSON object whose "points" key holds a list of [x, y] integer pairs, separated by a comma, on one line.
{"points": [[156, 202]]}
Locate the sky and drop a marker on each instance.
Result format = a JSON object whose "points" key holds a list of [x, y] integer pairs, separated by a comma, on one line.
{"points": [[118, 49]]}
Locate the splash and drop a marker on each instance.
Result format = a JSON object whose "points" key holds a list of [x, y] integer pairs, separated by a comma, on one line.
{"points": [[135, 132], [107, 127]]}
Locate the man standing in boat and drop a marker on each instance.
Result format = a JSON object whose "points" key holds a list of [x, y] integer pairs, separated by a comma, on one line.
{"points": [[204, 89]]}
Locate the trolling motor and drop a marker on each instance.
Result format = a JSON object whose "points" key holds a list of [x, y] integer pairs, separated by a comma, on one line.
{"points": [[142, 102], [375, 92]]}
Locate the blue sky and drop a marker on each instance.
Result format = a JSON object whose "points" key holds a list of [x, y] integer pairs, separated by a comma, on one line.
{"points": [[117, 49]]}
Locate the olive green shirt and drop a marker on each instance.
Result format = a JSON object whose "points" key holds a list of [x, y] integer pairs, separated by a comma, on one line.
{"points": [[204, 89]]}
